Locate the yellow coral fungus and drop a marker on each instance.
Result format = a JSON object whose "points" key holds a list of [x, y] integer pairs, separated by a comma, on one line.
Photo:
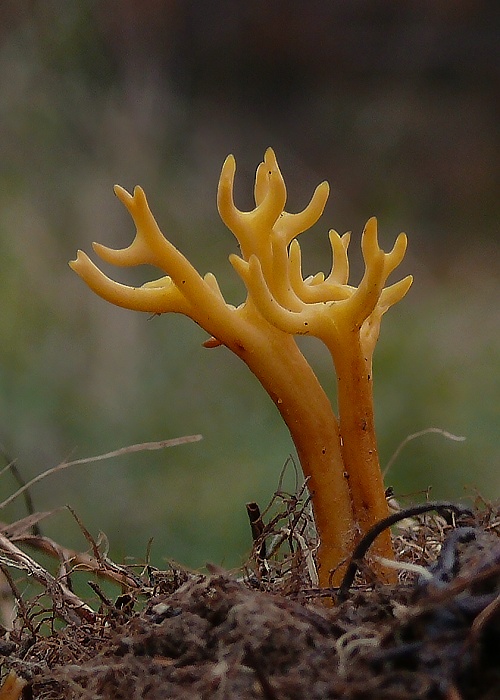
{"points": [[338, 457]]}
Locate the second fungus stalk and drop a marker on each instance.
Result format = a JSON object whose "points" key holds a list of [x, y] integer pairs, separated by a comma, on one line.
{"points": [[339, 457]]}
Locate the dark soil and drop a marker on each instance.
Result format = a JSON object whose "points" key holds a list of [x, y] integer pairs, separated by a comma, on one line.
{"points": [[268, 633]]}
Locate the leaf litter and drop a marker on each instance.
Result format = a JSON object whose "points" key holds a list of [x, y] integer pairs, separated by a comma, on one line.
{"points": [[266, 630]]}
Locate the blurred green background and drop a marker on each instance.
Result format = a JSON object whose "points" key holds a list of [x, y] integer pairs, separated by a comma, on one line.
{"points": [[392, 103]]}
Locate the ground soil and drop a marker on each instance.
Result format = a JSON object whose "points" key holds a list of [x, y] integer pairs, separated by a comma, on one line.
{"points": [[267, 632]]}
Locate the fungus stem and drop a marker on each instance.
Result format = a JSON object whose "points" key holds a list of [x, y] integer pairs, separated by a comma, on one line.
{"points": [[359, 445]]}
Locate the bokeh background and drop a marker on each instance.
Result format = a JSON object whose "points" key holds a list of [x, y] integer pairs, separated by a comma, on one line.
{"points": [[395, 104]]}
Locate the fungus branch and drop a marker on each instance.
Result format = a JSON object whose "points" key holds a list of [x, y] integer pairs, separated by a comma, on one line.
{"points": [[340, 462]]}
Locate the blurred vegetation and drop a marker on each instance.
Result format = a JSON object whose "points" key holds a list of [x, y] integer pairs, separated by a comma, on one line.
{"points": [[393, 104]]}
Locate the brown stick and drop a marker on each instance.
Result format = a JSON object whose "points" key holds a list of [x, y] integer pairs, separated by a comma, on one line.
{"points": [[257, 527]]}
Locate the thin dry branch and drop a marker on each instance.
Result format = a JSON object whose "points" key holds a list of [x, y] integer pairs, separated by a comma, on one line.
{"points": [[414, 436], [140, 447], [81, 561]]}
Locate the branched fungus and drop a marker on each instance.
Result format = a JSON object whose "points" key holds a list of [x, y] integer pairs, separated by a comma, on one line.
{"points": [[339, 457]]}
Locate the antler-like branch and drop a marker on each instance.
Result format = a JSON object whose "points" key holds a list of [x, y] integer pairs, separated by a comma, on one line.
{"points": [[329, 309], [183, 290]]}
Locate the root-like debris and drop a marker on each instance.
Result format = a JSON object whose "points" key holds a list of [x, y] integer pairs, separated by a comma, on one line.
{"points": [[265, 631]]}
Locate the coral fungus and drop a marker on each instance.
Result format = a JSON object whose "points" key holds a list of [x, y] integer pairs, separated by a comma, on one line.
{"points": [[339, 457]]}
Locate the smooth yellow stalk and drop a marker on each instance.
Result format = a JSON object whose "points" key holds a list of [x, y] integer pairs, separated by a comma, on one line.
{"points": [[341, 464], [283, 371], [359, 445]]}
